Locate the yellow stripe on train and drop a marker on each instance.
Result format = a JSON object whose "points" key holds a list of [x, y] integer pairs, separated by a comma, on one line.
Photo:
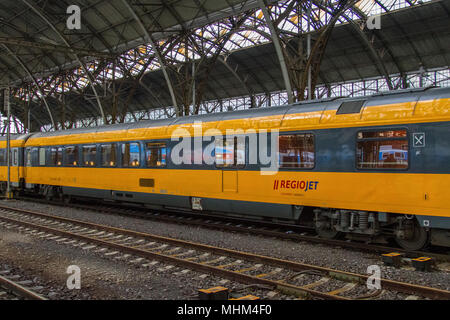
{"points": [[384, 192]]}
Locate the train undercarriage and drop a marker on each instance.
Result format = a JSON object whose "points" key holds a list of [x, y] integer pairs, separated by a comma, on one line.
{"points": [[370, 227], [378, 227]]}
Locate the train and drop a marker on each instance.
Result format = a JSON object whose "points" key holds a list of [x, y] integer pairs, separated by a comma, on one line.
{"points": [[373, 168]]}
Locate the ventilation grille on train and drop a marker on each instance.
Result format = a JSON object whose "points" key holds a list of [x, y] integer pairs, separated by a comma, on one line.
{"points": [[351, 107]]}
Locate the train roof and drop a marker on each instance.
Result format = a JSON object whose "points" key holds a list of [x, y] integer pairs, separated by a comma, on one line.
{"points": [[340, 104], [16, 136]]}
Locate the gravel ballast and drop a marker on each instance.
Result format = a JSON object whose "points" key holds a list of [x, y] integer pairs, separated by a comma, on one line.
{"points": [[317, 254]]}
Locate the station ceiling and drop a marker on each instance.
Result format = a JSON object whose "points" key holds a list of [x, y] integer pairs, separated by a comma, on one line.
{"points": [[409, 39], [36, 48], [35, 31]]}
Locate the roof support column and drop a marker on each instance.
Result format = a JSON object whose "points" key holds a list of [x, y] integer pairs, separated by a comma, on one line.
{"points": [[308, 44], [276, 43], [150, 40], [6, 93]]}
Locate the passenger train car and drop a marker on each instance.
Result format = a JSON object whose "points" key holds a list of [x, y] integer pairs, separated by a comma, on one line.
{"points": [[369, 168]]}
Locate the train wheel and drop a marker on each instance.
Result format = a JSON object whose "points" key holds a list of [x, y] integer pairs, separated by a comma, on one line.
{"points": [[67, 199], [418, 238], [328, 234], [48, 197], [324, 227]]}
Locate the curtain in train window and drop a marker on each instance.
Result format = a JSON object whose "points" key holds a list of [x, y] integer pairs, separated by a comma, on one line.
{"points": [[71, 156], [386, 149], [56, 156], [296, 151], [15, 157], [34, 156], [130, 154], [28, 154], [230, 152], [89, 154], [42, 156], [156, 154], [108, 155]]}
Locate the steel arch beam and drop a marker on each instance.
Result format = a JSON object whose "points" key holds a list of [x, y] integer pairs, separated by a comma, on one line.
{"points": [[252, 74], [86, 71], [25, 68], [364, 17], [276, 43], [235, 74], [375, 55], [9, 69], [45, 46], [27, 36], [373, 52], [149, 39]]}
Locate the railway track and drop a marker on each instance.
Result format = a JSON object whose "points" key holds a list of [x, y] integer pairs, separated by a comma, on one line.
{"points": [[147, 250], [14, 287], [242, 225]]}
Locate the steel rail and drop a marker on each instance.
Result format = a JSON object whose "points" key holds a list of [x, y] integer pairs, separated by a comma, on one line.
{"points": [[408, 288], [19, 290], [273, 233], [255, 231], [239, 277]]}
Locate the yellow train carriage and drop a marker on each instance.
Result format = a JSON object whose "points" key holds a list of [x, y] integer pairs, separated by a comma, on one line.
{"points": [[371, 167]]}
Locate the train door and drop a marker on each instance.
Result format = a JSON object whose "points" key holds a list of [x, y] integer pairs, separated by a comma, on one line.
{"points": [[30, 158], [229, 180], [15, 176], [26, 162], [230, 156]]}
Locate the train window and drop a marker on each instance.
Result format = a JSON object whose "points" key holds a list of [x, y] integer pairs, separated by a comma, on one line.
{"points": [[15, 157], [130, 154], [56, 156], [230, 152], [89, 154], [28, 153], [2, 157], [72, 156], [296, 151], [42, 156], [156, 154], [34, 156], [387, 149], [108, 154]]}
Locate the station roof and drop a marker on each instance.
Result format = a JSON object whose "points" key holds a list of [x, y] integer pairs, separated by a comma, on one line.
{"points": [[35, 31], [409, 39], [35, 43]]}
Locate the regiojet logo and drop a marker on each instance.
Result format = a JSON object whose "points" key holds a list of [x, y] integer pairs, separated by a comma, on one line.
{"points": [[303, 185]]}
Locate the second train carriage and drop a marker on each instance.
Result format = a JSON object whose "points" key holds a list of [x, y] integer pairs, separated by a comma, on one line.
{"points": [[369, 167]]}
